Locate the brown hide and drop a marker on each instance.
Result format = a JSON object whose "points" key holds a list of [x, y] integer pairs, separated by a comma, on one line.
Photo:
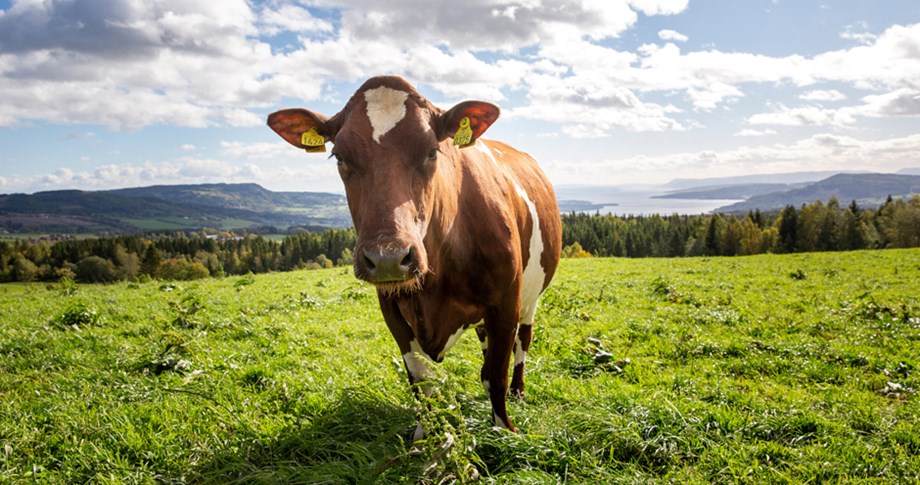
{"points": [[445, 233]]}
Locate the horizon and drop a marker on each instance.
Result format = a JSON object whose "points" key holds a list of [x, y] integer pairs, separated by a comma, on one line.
{"points": [[689, 183], [662, 188], [615, 94]]}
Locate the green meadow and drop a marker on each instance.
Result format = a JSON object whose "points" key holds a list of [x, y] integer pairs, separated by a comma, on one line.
{"points": [[762, 369]]}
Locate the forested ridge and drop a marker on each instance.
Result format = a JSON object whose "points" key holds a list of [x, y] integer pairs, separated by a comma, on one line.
{"points": [[817, 226], [176, 256]]}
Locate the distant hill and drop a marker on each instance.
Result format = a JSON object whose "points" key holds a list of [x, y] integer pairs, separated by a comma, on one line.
{"points": [[740, 191], [777, 178], [250, 197], [867, 189], [179, 207]]}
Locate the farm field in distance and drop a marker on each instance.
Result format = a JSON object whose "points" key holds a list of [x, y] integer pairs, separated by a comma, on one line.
{"points": [[759, 369]]}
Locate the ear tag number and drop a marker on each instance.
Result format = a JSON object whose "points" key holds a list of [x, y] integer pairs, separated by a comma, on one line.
{"points": [[464, 134], [313, 141]]}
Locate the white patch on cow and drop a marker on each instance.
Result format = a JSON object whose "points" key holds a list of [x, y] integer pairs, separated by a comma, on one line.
{"points": [[519, 354], [417, 366], [385, 108], [533, 272], [451, 341], [485, 150], [484, 344], [486, 386]]}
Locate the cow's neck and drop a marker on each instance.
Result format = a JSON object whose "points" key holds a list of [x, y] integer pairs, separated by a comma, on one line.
{"points": [[440, 309]]}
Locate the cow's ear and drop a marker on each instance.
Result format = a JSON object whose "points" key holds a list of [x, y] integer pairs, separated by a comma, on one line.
{"points": [[301, 128], [466, 121]]}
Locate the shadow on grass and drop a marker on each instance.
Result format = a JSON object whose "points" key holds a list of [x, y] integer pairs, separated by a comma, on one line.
{"points": [[359, 436]]}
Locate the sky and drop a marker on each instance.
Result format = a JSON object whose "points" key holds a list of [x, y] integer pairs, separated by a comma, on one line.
{"points": [[101, 94]]}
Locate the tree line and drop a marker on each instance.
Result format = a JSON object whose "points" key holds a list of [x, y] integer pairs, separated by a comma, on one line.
{"points": [[817, 226], [177, 256]]}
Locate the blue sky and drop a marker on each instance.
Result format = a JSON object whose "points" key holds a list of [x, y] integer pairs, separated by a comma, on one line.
{"points": [[104, 94]]}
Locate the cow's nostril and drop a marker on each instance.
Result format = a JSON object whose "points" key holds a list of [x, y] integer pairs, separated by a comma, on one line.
{"points": [[369, 263], [410, 256]]}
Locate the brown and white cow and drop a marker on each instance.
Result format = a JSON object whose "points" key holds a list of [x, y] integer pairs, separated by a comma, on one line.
{"points": [[454, 233]]}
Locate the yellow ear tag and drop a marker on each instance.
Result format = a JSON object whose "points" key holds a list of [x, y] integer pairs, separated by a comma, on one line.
{"points": [[313, 141], [464, 134]]}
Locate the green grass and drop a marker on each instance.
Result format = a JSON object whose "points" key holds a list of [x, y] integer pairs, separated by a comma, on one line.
{"points": [[765, 369]]}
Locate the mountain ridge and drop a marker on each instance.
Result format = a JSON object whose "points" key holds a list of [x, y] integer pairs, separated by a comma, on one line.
{"points": [[169, 207], [867, 190]]}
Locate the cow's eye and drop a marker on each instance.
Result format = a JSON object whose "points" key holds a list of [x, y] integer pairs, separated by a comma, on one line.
{"points": [[338, 159], [433, 154]]}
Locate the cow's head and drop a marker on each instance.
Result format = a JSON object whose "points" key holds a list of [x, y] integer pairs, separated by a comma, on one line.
{"points": [[390, 144]]}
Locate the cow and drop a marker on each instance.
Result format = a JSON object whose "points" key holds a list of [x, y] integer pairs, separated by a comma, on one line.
{"points": [[454, 232]]}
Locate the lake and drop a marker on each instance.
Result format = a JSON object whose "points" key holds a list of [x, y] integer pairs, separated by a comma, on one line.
{"points": [[635, 201]]}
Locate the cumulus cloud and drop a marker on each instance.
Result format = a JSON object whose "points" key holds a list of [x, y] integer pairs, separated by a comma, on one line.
{"points": [[318, 174], [197, 63], [668, 34], [127, 64], [291, 18], [588, 107], [804, 116], [904, 102], [819, 152], [901, 102], [822, 95], [750, 132], [659, 7]]}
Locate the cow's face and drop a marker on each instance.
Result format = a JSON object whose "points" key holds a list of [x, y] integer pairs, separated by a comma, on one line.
{"points": [[388, 143]]}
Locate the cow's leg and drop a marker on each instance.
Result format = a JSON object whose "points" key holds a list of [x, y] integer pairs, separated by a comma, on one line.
{"points": [[521, 347], [483, 339], [501, 335], [484, 344], [416, 365]]}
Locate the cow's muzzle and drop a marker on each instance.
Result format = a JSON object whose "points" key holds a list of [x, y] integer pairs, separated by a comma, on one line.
{"points": [[389, 264]]}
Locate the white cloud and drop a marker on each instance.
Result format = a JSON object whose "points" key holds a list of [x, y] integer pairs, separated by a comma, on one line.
{"points": [[256, 151], [859, 34], [818, 152], [805, 116], [589, 107], [750, 132], [823, 95], [291, 18], [668, 34], [901, 102], [318, 174], [659, 7], [194, 63], [188, 147], [897, 103]]}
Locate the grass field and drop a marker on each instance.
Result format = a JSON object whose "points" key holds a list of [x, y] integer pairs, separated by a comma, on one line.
{"points": [[765, 369]]}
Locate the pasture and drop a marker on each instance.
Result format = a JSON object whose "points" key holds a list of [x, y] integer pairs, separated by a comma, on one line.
{"points": [[773, 368]]}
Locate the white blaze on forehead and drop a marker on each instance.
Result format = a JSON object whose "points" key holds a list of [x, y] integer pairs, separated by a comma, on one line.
{"points": [[533, 272], [385, 108]]}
